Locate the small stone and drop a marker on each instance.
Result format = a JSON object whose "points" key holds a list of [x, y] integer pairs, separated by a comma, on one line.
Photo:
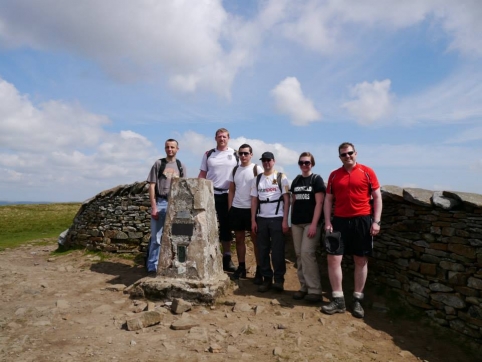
{"points": [[242, 307], [144, 320], [215, 348], [322, 321], [277, 351], [232, 350], [116, 287], [258, 309], [133, 343], [183, 324], [180, 306], [50, 260], [62, 304], [275, 302], [281, 326]]}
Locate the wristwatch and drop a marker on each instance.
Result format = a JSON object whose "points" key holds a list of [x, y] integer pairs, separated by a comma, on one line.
{"points": [[378, 222]]}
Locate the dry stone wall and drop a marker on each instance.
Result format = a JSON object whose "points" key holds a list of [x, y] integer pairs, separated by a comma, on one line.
{"points": [[116, 220], [430, 253]]}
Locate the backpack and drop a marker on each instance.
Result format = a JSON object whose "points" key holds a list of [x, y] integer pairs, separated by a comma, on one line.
{"points": [[255, 170], [160, 174], [279, 176]]}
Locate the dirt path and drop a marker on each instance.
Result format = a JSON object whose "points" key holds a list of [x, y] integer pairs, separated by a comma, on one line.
{"points": [[71, 308]]}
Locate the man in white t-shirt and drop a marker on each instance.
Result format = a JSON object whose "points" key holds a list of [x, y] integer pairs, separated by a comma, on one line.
{"points": [[216, 165], [269, 209], [239, 201]]}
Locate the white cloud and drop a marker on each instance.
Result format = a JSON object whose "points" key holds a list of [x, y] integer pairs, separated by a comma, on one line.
{"points": [[468, 135], [289, 100], [56, 145], [372, 103]]}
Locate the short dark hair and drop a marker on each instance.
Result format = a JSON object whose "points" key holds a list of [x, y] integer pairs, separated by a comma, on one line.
{"points": [[245, 145], [345, 145], [222, 130], [172, 140], [308, 154]]}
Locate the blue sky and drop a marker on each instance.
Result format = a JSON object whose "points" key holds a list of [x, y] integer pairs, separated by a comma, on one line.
{"points": [[90, 90]]}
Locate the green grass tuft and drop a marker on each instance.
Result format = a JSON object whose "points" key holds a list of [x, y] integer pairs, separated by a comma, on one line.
{"points": [[20, 224]]}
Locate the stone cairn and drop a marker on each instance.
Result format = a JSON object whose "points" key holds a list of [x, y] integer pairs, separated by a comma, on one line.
{"points": [[190, 264], [430, 253]]}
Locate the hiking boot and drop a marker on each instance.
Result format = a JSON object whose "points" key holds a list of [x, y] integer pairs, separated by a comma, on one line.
{"points": [[152, 274], [278, 286], [299, 295], [337, 305], [239, 273], [228, 265], [358, 311], [313, 298], [265, 286], [258, 278]]}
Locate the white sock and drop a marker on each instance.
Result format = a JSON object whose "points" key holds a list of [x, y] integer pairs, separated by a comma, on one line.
{"points": [[337, 294], [358, 295]]}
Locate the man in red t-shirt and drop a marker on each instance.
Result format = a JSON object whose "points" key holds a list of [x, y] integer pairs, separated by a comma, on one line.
{"points": [[354, 191]]}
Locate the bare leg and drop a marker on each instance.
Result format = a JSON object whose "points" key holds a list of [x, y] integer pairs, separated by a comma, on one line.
{"points": [[361, 271], [334, 272], [240, 246]]}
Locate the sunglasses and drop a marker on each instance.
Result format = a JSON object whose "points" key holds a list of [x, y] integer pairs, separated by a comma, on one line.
{"points": [[243, 153], [265, 159], [304, 163], [347, 154]]}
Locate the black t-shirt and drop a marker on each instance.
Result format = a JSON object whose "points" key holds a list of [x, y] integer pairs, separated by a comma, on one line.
{"points": [[304, 190]]}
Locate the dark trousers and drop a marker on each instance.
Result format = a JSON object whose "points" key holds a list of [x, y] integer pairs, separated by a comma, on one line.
{"points": [[221, 205], [271, 247]]}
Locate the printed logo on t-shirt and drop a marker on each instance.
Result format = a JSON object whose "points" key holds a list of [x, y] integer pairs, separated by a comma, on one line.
{"points": [[302, 189], [171, 173], [269, 189]]}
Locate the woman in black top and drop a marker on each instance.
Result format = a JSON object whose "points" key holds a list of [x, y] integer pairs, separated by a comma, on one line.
{"points": [[308, 192]]}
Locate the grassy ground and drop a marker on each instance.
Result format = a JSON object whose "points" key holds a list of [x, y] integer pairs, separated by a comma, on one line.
{"points": [[22, 223]]}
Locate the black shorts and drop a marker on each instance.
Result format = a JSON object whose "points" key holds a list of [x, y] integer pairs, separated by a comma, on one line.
{"points": [[351, 236], [239, 219]]}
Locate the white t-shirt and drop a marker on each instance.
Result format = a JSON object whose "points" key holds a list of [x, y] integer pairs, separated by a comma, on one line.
{"points": [[268, 190], [218, 166], [243, 179]]}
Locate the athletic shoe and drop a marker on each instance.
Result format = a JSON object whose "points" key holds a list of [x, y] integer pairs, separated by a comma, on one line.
{"points": [[299, 295], [358, 311], [228, 265], [337, 305], [278, 286], [265, 286], [239, 273]]}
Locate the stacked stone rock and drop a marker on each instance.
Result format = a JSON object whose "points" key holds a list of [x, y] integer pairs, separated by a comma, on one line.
{"points": [[116, 220], [430, 253]]}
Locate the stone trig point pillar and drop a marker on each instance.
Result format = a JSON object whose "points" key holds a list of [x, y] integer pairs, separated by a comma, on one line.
{"points": [[190, 264]]}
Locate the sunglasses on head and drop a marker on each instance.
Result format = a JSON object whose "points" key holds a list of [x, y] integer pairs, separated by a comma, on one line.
{"points": [[347, 154], [243, 153], [265, 159], [304, 163]]}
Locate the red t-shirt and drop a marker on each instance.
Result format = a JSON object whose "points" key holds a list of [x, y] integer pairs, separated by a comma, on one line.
{"points": [[352, 190]]}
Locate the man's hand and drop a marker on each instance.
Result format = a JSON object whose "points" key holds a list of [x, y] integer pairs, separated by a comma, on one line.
{"points": [[285, 226], [154, 213], [328, 227], [375, 229], [254, 227], [312, 231]]}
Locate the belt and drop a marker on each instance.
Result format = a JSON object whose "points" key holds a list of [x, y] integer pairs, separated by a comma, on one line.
{"points": [[162, 197]]}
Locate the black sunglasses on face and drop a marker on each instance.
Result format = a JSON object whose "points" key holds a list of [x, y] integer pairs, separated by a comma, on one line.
{"points": [[265, 159], [304, 163], [347, 154], [243, 153]]}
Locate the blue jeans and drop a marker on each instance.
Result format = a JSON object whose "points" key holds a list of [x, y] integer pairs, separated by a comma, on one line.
{"points": [[157, 226]]}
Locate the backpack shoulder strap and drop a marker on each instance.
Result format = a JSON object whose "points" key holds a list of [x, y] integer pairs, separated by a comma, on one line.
{"points": [[279, 177], [255, 170], [295, 181], [179, 166], [234, 170], [162, 168], [258, 178], [236, 156]]}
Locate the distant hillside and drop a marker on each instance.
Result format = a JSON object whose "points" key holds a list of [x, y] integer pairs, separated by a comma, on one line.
{"points": [[23, 202]]}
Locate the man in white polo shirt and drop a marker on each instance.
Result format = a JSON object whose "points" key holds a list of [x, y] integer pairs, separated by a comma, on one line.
{"points": [[216, 165]]}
